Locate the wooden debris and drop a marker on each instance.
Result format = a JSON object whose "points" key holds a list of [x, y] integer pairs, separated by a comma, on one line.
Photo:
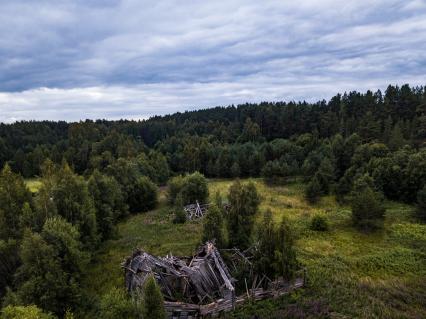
{"points": [[202, 285], [203, 278], [195, 211]]}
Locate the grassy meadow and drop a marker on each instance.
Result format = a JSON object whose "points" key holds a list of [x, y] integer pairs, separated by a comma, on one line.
{"points": [[350, 274]]}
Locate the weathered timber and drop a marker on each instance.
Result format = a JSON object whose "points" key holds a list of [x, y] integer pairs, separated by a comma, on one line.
{"points": [[195, 211], [202, 286], [214, 309], [200, 279]]}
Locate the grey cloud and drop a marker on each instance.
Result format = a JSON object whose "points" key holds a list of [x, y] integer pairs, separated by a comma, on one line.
{"points": [[154, 54]]}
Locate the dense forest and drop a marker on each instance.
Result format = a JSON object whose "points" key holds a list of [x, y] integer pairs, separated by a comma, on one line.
{"points": [[375, 133], [360, 147]]}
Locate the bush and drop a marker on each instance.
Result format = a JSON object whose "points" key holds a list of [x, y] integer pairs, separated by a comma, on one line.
{"points": [[174, 186], [192, 188], [319, 223], [116, 304], [143, 195], [195, 189], [24, 312]]}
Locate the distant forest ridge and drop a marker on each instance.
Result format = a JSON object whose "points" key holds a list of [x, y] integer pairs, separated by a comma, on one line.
{"points": [[268, 138]]}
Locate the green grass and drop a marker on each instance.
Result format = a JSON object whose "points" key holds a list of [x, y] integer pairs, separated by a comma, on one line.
{"points": [[350, 274], [33, 184]]}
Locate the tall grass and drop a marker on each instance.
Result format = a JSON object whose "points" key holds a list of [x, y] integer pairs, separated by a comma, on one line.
{"points": [[350, 274]]}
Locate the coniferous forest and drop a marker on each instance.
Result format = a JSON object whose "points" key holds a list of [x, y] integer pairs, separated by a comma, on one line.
{"points": [[69, 190]]}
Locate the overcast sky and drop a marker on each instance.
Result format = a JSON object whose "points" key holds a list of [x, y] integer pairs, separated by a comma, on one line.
{"points": [[72, 60]]}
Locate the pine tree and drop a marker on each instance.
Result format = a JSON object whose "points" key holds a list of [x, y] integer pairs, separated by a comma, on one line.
{"points": [[313, 190], [153, 302], [367, 209]]}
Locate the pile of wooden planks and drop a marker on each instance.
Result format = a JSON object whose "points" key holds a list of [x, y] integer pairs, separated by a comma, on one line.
{"points": [[200, 279], [201, 285], [195, 211]]}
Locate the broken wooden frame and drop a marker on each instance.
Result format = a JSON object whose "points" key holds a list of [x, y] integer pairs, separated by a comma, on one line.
{"points": [[200, 279], [202, 285], [195, 211]]}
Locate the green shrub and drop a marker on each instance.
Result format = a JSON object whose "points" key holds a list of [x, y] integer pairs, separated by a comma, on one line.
{"points": [[117, 304], [24, 312], [143, 195], [192, 188], [319, 223], [180, 216]]}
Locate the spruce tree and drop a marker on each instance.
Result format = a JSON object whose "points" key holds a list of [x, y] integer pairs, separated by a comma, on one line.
{"points": [[313, 190], [153, 302], [367, 209]]}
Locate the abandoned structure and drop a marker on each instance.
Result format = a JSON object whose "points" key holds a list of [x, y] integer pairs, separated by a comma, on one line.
{"points": [[198, 286], [195, 211], [200, 279]]}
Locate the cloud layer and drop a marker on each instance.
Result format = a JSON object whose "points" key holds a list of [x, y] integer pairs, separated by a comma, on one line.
{"points": [[113, 59]]}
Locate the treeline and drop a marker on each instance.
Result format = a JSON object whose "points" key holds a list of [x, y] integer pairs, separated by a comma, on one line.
{"points": [[350, 135]]}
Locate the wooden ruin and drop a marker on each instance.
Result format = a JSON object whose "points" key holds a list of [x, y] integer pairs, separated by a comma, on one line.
{"points": [[202, 285], [195, 211], [200, 279]]}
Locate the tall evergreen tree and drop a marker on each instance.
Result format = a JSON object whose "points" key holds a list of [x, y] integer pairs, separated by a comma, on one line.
{"points": [[367, 209], [153, 302], [313, 190]]}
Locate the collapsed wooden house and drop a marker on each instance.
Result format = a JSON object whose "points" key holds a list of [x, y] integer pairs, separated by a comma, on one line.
{"points": [[200, 279], [198, 286]]}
